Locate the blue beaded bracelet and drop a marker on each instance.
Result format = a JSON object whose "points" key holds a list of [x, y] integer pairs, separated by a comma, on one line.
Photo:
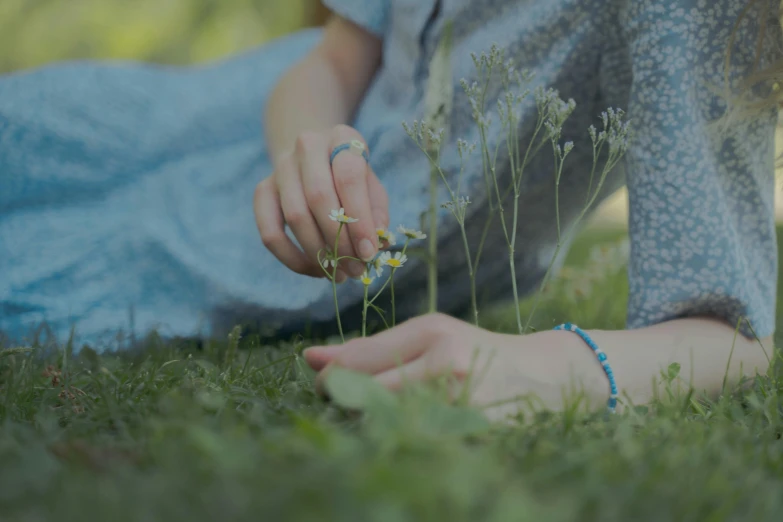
{"points": [[355, 146], [612, 404]]}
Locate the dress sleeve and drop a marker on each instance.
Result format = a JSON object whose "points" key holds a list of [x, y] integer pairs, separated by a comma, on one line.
{"points": [[372, 15], [701, 212]]}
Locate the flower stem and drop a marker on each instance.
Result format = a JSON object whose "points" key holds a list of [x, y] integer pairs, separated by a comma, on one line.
{"points": [[471, 274], [334, 285], [558, 174], [393, 308], [364, 312], [432, 258], [512, 264], [391, 281]]}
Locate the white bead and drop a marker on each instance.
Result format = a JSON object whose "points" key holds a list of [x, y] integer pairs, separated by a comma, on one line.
{"points": [[357, 147]]}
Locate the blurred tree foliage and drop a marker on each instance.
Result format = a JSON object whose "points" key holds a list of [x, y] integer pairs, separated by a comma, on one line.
{"points": [[36, 32]]}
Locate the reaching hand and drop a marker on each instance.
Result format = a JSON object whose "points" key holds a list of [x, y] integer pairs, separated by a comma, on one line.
{"points": [[498, 368], [304, 189]]}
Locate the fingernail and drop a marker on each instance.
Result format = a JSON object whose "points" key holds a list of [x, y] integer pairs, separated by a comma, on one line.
{"points": [[366, 249]]}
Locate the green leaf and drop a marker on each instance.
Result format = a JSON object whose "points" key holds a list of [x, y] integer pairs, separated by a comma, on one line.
{"points": [[642, 410], [14, 351], [673, 371], [210, 400], [205, 365], [445, 419], [90, 358], [358, 391]]}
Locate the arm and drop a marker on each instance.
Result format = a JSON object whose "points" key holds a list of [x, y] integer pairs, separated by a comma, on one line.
{"points": [[325, 88], [706, 349], [548, 366], [305, 119]]}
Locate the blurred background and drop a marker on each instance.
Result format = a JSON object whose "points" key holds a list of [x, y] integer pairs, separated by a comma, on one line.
{"points": [[37, 32]]}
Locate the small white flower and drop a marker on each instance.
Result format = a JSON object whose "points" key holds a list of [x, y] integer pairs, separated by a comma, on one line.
{"points": [[329, 262], [386, 235], [395, 262], [377, 264], [367, 278], [339, 216], [411, 233]]}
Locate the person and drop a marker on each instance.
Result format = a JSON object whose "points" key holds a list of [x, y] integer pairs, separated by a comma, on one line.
{"points": [[126, 188]]}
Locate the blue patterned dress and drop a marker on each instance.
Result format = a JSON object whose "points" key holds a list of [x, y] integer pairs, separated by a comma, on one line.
{"points": [[125, 188]]}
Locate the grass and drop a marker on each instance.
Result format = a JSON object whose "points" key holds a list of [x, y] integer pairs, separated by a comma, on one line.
{"points": [[234, 431]]}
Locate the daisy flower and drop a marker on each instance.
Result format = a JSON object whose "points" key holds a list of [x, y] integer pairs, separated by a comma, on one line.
{"points": [[395, 262], [377, 264], [367, 278], [386, 235], [340, 217], [411, 233]]}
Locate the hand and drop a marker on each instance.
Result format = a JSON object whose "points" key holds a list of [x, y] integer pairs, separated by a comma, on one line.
{"points": [[502, 368], [550, 365], [304, 189]]}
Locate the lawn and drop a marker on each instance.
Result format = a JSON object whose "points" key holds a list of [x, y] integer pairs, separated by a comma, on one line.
{"points": [[234, 431]]}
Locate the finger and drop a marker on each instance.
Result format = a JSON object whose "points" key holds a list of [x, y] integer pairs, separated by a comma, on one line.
{"points": [[351, 174], [422, 370], [371, 355], [269, 220], [419, 370], [295, 210], [379, 201], [312, 153]]}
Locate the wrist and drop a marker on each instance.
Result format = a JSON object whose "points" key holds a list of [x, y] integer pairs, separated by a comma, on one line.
{"points": [[706, 350], [570, 369]]}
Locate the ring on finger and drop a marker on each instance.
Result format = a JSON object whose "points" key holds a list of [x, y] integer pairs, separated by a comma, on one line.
{"points": [[355, 147]]}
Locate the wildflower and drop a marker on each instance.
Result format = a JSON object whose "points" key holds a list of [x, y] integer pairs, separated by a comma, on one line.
{"points": [[457, 207], [416, 131], [593, 133], [386, 235], [436, 137], [339, 216], [411, 233], [464, 148], [395, 262], [329, 262], [377, 264], [367, 278]]}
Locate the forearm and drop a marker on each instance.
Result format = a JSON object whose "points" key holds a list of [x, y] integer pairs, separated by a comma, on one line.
{"points": [[308, 98], [325, 88], [706, 349]]}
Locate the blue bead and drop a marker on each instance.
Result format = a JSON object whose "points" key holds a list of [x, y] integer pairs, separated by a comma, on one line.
{"points": [[602, 358]]}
